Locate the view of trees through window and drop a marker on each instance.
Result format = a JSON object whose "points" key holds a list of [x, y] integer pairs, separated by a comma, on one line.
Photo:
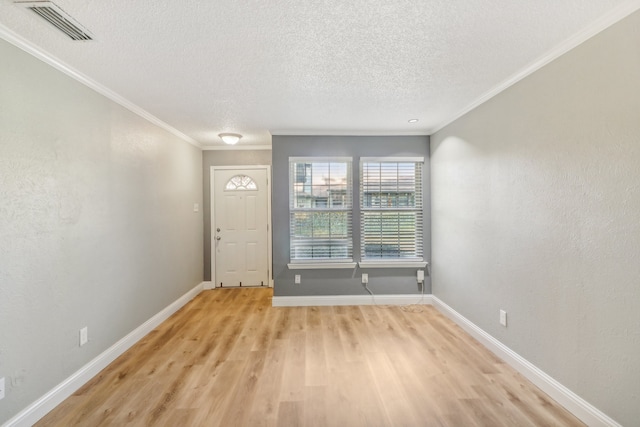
{"points": [[390, 209], [320, 203]]}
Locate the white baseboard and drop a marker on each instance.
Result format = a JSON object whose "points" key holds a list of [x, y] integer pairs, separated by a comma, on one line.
{"points": [[323, 300], [38, 409], [579, 407], [582, 409]]}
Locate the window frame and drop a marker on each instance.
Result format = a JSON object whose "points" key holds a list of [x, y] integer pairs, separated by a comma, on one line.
{"points": [[418, 209], [347, 208]]}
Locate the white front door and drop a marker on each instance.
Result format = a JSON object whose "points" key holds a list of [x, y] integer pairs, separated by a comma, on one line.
{"points": [[240, 227]]}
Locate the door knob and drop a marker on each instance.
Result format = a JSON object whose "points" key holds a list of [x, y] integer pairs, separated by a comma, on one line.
{"points": [[218, 238], [217, 229]]}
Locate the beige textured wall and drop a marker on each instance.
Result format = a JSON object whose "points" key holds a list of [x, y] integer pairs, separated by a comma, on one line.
{"points": [[536, 210], [97, 226]]}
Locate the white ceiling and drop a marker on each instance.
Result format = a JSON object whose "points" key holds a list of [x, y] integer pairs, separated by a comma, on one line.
{"points": [[317, 67]]}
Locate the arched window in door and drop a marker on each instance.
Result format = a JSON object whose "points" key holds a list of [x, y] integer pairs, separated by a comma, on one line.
{"points": [[241, 183]]}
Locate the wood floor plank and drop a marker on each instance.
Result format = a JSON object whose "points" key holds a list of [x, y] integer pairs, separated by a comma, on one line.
{"points": [[315, 359], [246, 341], [244, 391], [228, 358], [290, 413], [315, 406], [394, 396], [264, 411], [334, 351], [215, 398], [293, 380]]}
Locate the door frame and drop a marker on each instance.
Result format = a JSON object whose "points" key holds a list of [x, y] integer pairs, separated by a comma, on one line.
{"points": [[212, 200]]}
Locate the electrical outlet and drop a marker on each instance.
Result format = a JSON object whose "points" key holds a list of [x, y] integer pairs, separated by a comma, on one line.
{"points": [[297, 279], [365, 278], [1, 388], [420, 276], [84, 336], [503, 318]]}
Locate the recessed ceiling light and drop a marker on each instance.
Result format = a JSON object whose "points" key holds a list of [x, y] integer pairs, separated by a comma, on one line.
{"points": [[413, 120], [230, 138]]}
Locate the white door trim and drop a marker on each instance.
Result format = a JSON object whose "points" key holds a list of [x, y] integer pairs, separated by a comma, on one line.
{"points": [[212, 210]]}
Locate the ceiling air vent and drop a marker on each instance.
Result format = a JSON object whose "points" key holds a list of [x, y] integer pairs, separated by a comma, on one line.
{"points": [[57, 17]]}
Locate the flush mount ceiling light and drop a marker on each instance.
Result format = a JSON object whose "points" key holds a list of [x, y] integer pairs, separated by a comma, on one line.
{"points": [[230, 138], [413, 120]]}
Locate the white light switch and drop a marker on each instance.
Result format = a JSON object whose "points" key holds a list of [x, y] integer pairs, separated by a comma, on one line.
{"points": [[84, 336], [297, 279], [196, 207], [503, 318], [1, 388]]}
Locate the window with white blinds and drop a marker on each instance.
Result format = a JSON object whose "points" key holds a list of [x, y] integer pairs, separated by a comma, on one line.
{"points": [[391, 209], [320, 206]]}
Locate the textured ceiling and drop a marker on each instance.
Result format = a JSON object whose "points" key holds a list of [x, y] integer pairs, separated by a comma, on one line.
{"points": [[320, 67]]}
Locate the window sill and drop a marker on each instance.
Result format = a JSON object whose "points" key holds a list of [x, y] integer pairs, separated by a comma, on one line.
{"points": [[392, 264], [321, 265]]}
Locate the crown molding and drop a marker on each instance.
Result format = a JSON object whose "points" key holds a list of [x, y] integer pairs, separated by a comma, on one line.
{"points": [[234, 147], [32, 49], [320, 132], [577, 39]]}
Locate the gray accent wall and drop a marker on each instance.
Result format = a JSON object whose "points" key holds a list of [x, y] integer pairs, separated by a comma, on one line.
{"points": [[223, 158], [341, 281], [536, 210], [97, 226]]}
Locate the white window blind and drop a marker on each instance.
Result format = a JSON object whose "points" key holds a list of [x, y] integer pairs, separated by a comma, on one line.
{"points": [[320, 206], [391, 209]]}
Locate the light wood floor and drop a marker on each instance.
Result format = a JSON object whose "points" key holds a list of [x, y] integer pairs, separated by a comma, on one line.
{"points": [[230, 359]]}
